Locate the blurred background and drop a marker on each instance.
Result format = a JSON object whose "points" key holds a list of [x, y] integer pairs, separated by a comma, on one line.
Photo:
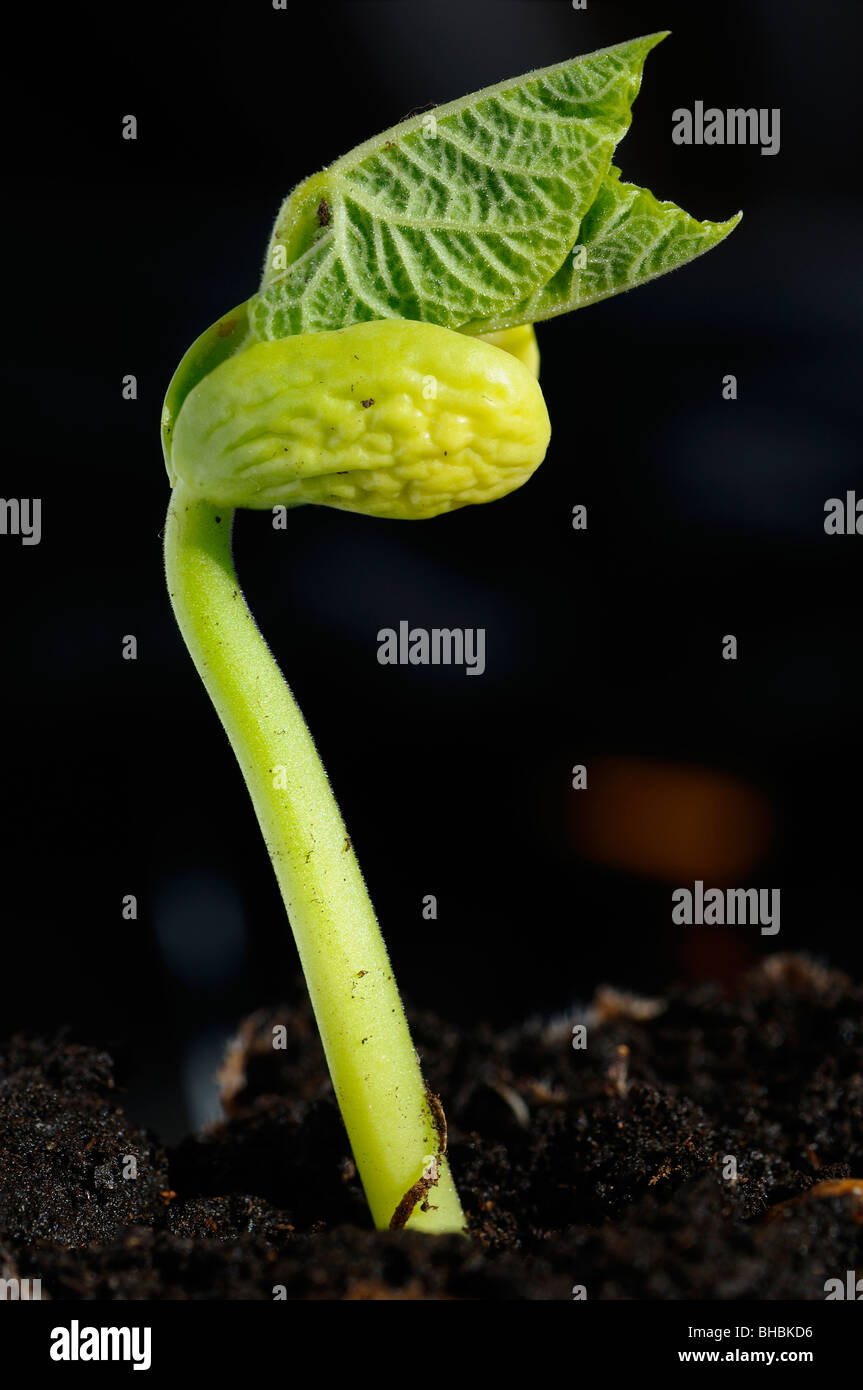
{"points": [[705, 517]]}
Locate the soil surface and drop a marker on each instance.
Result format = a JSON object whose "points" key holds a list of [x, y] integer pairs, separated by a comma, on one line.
{"points": [[699, 1147]]}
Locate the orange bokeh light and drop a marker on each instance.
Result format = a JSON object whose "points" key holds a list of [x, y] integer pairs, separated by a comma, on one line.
{"points": [[671, 821]]}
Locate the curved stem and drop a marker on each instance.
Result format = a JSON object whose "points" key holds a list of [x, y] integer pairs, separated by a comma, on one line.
{"points": [[372, 1062]]}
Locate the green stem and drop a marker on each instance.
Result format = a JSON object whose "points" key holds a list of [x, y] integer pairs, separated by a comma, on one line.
{"points": [[372, 1062]]}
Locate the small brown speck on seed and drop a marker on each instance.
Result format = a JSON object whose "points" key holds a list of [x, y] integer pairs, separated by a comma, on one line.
{"points": [[366, 404]]}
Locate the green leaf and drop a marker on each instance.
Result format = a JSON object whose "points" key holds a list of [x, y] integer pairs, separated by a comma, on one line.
{"points": [[626, 239], [456, 215]]}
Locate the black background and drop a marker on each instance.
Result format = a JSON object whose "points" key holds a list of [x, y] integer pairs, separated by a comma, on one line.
{"points": [[705, 518]]}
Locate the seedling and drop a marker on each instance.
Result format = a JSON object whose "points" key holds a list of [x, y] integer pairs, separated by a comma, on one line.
{"points": [[388, 365]]}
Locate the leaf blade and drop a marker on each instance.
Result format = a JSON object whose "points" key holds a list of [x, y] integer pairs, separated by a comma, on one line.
{"points": [[460, 226], [628, 238]]}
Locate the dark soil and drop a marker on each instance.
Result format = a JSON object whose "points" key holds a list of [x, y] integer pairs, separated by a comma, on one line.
{"points": [[605, 1167]]}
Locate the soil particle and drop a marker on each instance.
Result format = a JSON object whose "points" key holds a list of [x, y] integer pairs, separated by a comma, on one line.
{"points": [[717, 1167], [66, 1148]]}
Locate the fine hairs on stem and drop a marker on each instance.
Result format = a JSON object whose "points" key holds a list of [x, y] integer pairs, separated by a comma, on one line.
{"points": [[373, 1065]]}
